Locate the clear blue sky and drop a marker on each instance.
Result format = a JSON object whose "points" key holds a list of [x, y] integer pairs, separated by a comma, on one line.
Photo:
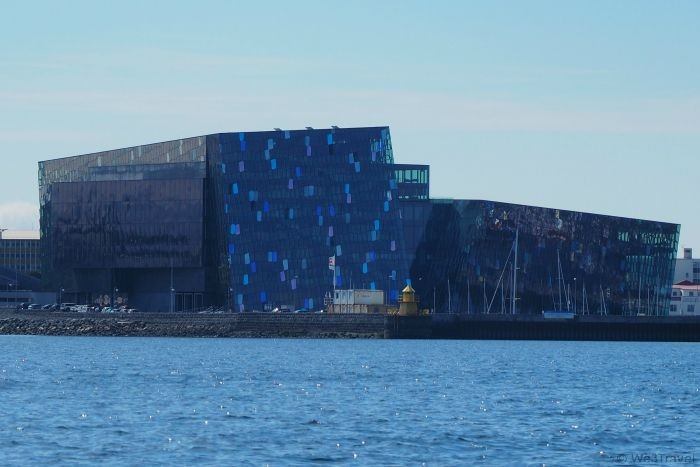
{"points": [[588, 105]]}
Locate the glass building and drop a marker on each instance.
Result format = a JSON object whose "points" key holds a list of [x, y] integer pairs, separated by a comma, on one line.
{"points": [[250, 220], [566, 261]]}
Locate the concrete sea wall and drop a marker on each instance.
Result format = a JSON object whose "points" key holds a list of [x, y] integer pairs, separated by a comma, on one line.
{"points": [[536, 327], [440, 326]]}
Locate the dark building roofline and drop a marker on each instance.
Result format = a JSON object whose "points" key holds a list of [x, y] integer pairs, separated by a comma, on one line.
{"points": [[448, 200], [687, 283], [125, 148]]}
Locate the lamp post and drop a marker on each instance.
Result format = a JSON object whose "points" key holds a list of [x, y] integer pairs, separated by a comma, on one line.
{"points": [[114, 296], [60, 296], [419, 284], [172, 285], [296, 294], [1, 232], [230, 299], [391, 280]]}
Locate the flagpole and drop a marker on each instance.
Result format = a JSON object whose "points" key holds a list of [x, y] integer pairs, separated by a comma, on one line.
{"points": [[331, 266]]}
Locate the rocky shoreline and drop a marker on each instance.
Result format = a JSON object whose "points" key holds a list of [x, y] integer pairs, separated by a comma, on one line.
{"points": [[183, 325]]}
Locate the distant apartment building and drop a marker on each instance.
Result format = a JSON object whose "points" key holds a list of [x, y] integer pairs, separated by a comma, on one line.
{"points": [[685, 295], [685, 299], [20, 266], [687, 268], [20, 251]]}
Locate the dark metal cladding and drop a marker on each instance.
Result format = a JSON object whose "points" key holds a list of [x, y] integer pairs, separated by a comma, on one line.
{"points": [[118, 225]]}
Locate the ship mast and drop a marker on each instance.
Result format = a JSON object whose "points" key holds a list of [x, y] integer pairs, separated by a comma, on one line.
{"points": [[515, 274], [559, 279]]}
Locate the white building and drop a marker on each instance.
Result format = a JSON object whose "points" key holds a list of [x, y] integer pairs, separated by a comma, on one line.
{"points": [[687, 268], [685, 299]]}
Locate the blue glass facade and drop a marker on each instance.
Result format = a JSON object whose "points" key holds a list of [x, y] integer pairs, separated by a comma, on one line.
{"points": [[289, 200], [249, 221]]}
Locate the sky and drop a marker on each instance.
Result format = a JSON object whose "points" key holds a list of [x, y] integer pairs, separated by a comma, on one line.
{"points": [[582, 105]]}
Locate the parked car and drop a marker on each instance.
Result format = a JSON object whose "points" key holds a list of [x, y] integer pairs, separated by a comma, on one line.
{"points": [[46, 307], [34, 306]]}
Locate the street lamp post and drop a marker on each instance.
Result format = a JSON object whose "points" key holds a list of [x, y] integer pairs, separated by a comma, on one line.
{"points": [[419, 284], [296, 294], [388, 290]]}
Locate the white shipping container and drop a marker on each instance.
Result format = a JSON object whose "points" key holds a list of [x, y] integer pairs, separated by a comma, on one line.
{"points": [[369, 297], [358, 297]]}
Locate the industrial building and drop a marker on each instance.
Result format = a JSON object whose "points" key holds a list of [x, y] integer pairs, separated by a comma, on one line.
{"points": [[250, 220], [20, 251], [20, 269]]}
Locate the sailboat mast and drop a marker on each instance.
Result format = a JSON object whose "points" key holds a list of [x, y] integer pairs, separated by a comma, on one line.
{"points": [[648, 307], [639, 295], [503, 301], [515, 274], [559, 279], [449, 296], [469, 298]]}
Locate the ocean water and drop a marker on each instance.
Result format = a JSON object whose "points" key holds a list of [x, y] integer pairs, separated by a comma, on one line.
{"points": [[128, 401]]}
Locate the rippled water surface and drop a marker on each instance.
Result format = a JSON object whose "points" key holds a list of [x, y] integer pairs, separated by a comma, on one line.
{"points": [[236, 401]]}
